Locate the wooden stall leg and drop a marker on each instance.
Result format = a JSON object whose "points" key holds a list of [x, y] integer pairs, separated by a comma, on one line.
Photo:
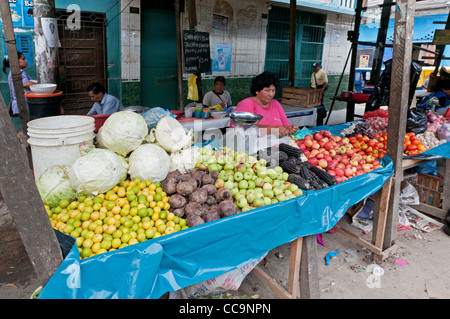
{"points": [[294, 267], [294, 274], [309, 269]]}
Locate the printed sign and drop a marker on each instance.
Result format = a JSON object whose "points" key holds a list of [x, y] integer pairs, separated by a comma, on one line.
{"points": [[222, 56]]}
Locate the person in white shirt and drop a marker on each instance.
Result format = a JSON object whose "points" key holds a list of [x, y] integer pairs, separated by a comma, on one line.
{"points": [[218, 95], [103, 103]]}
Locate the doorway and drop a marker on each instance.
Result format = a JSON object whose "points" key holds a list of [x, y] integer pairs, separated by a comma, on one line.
{"points": [[159, 78], [81, 59]]}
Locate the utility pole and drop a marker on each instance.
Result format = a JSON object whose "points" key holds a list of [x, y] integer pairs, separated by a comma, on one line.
{"points": [[8, 31], [46, 56]]}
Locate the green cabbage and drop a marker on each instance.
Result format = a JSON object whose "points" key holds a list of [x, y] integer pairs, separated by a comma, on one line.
{"points": [[149, 162], [97, 172], [54, 185], [122, 132], [171, 135]]}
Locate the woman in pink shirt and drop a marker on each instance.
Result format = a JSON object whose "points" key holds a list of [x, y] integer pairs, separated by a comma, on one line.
{"points": [[263, 90]]}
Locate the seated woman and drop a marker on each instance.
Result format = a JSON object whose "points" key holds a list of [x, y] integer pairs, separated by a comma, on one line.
{"points": [[218, 95], [274, 119]]}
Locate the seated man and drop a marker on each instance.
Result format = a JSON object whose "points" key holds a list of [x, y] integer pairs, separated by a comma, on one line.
{"points": [[218, 95], [103, 103]]}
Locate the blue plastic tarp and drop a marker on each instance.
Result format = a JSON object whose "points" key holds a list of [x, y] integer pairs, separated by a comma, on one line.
{"points": [[168, 263]]}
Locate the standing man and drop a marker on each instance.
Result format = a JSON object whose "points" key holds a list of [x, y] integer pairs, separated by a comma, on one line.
{"points": [[103, 103], [319, 80]]}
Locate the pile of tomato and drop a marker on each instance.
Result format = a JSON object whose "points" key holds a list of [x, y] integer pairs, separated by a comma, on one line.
{"points": [[413, 145], [369, 146]]}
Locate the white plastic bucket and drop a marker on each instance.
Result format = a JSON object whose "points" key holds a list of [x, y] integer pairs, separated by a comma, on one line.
{"points": [[56, 140]]}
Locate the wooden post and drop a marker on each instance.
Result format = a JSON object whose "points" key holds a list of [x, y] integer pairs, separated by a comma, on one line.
{"points": [[192, 25], [179, 54], [46, 57], [292, 26], [24, 202], [398, 106], [14, 64], [309, 269], [351, 81], [381, 40]]}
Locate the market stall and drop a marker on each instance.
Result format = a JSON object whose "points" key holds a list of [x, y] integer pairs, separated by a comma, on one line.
{"points": [[151, 268]]}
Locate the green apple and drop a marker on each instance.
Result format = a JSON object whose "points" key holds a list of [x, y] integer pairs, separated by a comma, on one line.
{"points": [[292, 187], [272, 173], [219, 183], [259, 182], [267, 186], [262, 172], [241, 202], [284, 176], [250, 197], [267, 179], [267, 200], [280, 196], [238, 176], [229, 185], [228, 166], [243, 184], [248, 176], [251, 184], [278, 169], [258, 202], [268, 193], [223, 175]]}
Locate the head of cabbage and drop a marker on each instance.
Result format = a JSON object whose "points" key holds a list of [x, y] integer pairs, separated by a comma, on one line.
{"points": [[149, 162], [122, 132], [97, 172], [171, 135], [54, 185]]}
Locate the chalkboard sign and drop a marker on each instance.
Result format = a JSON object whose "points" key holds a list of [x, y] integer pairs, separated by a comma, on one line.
{"points": [[196, 52]]}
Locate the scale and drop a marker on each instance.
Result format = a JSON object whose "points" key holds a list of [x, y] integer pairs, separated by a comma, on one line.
{"points": [[244, 137]]}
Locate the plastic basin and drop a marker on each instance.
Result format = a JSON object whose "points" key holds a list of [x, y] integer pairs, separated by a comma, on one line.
{"points": [[99, 120], [361, 97]]}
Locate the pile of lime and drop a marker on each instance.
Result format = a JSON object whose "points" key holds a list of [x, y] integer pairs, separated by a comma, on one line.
{"points": [[133, 211]]}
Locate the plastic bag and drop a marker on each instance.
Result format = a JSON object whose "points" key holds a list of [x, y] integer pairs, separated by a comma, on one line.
{"points": [[416, 121], [443, 133], [192, 88], [153, 116], [228, 281], [409, 195], [429, 168], [381, 90]]}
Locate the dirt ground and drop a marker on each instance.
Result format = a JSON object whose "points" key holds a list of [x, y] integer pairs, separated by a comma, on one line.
{"points": [[424, 276], [417, 270]]}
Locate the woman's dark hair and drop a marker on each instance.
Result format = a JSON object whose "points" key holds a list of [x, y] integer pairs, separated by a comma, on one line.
{"points": [[219, 79], [264, 80], [6, 61], [96, 88]]}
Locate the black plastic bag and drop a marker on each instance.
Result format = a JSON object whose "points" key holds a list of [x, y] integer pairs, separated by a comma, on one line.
{"points": [[381, 90], [416, 121]]}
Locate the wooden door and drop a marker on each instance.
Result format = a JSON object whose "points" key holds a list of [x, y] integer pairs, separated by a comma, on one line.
{"points": [[81, 59]]}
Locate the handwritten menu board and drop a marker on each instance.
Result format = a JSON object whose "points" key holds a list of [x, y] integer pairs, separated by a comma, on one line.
{"points": [[196, 52]]}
